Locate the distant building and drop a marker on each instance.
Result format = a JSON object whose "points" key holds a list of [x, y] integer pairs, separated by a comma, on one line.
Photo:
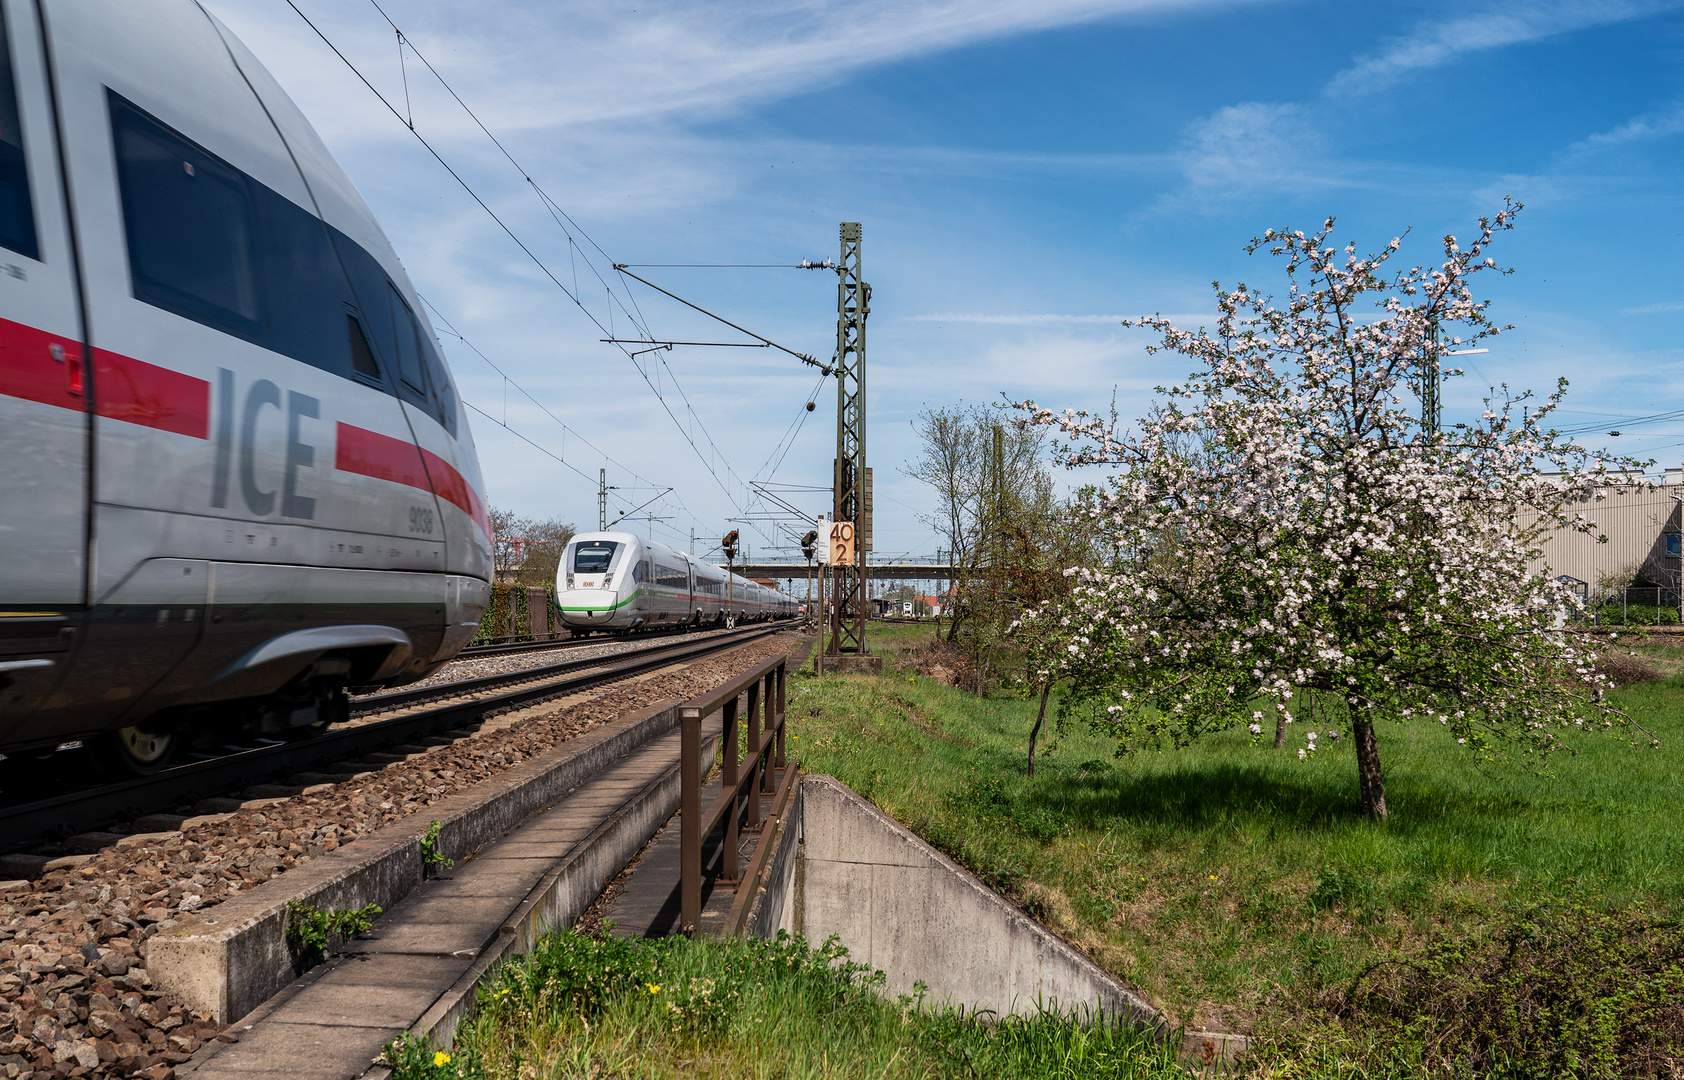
{"points": [[1644, 549]]}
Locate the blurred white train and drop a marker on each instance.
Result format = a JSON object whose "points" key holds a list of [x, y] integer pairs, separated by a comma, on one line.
{"points": [[618, 581], [235, 478]]}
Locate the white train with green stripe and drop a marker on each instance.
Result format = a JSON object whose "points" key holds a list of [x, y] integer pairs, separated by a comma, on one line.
{"points": [[619, 581]]}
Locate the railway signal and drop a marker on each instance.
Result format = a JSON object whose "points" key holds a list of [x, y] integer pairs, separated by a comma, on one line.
{"points": [[728, 543], [809, 548]]}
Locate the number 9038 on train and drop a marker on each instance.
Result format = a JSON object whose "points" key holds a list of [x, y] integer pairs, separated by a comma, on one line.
{"points": [[236, 481]]}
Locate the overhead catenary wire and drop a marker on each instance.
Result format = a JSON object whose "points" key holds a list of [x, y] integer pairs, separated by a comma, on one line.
{"points": [[557, 212], [565, 427]]}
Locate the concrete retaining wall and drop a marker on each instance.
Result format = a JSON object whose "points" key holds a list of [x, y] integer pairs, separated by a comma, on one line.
{"points": [[903, 907], [233, 957], [775, 908]]}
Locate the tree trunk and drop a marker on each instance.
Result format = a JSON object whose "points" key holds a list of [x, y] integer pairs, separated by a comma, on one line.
{"points": [[1034, 732], [1280, 730], [1370, 783]]}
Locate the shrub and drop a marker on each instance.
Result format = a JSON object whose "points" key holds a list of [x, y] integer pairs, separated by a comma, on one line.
{"points": [[1560, 991]]}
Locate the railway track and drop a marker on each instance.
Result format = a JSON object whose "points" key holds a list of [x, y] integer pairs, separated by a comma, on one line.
{"points": [[512, 648], [451, 710]]}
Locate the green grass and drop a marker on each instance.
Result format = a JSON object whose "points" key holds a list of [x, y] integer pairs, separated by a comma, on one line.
{"points": [[582, 1007], [1231, 882]]}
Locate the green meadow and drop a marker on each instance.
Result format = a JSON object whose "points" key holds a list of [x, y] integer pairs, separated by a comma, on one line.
{"points": [[1233, 883]]}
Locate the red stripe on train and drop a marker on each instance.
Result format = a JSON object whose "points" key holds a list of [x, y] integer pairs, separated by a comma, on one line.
{"points": [[136, 392], [43, 367], [369, 453], [29, 370]]}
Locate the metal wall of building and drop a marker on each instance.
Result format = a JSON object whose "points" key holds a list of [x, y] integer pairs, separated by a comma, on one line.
{"points": [[1636, 524]]}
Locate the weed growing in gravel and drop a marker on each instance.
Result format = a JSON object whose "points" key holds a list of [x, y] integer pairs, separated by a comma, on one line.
{"points": [[580, 1006]]}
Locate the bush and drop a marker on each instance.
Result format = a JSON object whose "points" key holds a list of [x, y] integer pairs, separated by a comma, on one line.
{"points": [[1560, 991], [1637, 615]]}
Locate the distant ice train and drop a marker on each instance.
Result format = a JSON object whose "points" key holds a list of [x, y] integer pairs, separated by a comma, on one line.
{"points": [[617, 581], [235, 478]]}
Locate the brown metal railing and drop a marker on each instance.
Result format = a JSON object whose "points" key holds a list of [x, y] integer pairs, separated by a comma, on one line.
{"points": [[762, 776]]}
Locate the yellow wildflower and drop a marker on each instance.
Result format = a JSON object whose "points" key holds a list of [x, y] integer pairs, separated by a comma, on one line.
{"points": [[440, 1058]]}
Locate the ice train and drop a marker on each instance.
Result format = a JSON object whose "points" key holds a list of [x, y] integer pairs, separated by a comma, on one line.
{"points": [[235, 477], [619, 581]]}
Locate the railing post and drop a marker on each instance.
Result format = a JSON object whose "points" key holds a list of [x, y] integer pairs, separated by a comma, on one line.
{"points": [[755, 729], [768, 696], [782, 716], [690, 823], [728, 867]]}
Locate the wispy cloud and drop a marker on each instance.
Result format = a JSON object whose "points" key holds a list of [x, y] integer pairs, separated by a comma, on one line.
{"points": [[1655, 309], [588, 61], [1435, 44], [1657, 124], [1241, 146], [1019, 320]]}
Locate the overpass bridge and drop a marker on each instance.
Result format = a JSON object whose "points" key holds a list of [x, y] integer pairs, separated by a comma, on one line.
{"points": [[874, 571]]}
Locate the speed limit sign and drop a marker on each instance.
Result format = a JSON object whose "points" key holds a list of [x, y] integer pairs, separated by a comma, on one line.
{"points": [[841, 542]]}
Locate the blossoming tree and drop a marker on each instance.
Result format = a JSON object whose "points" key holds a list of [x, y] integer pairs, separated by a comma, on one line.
{"points": [[1285, 522]]}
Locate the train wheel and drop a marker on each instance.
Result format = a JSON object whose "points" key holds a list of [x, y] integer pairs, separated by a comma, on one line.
{"points": [[133, 752]]}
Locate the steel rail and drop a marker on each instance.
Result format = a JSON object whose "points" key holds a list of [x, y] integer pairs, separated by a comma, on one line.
{"points": [[82, 811], [508, 648], [395, 699]]}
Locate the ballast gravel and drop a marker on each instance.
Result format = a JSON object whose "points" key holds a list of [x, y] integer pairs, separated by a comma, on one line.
{"points": [[477, 667], [75, 998]]}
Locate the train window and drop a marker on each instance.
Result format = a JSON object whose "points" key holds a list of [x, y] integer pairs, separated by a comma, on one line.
{"points": [[444, 394], [17, 212], [190, 225], [408, 337], [593, 556], [362, 357]]}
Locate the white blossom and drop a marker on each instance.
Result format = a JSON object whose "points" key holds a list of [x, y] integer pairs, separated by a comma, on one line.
{"points": [[1284, 521]]}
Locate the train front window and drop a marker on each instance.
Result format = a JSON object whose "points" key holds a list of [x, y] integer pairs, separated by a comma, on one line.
{"points": [[17, 212], [593, 556]]}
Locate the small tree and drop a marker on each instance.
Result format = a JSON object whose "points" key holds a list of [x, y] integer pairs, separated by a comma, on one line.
{"points": [[1039, 551], [1324, 539], [980, 470]]}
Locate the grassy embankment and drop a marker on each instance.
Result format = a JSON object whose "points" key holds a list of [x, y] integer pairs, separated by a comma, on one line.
{"points": [[583, 1008], [1234, 884], [1231, 882]]}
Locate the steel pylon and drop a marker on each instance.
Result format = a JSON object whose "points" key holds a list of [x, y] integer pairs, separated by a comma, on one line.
{"points": [[853, 304]]}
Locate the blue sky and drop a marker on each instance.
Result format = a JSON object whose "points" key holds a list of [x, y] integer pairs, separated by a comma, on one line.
{"points": [[1026, 174]]}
